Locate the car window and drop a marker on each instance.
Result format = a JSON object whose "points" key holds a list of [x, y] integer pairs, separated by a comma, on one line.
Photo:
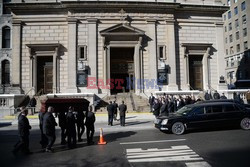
{"points": [[217, 109], [199, 111], [208, 109], [229, 108], [184, 110]]}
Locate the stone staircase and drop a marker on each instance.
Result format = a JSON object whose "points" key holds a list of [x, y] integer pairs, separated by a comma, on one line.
{"points": [[133, 102]]}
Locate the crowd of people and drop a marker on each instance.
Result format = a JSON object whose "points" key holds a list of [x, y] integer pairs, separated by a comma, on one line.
{"points": [[72, 124], [112, 109], [165, 104]]}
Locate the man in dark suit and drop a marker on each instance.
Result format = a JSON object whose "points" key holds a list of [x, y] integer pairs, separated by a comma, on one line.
{"points": [[156, 107], [49, 129], [110, 109], [23, 131], [115, 105], [62, 124], [71, 128], [90, 125], [80, 124], [122, 109], [44, 139], [151, 102]]}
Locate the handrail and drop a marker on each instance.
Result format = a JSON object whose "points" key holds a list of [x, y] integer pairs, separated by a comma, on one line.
{"points": [[39, 92]]}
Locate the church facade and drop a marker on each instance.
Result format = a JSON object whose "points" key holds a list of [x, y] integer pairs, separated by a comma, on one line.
{"points": [[108, 47]]}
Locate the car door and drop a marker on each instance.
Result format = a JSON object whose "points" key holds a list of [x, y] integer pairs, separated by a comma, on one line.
{"points": [[197, 118], [214, 115], [232, 115]]}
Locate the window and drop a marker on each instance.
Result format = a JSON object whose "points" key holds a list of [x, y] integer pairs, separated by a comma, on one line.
{"points": [[238, 47], [225, 28], [231, 50], [6, 37], [161, 52], [199, 111], [229, 15], [244, 32], [229, 26], [240, 74], [82, 52], [237, 35], [229, 108], [236, 23], [230, 38], [228, 2], [226, 51], [243, 6], [227, 63], [235, 1], [245, 45], [5, 72], [226, 40], [225, 17], [236, 10], [244, 19], [217, 109]]}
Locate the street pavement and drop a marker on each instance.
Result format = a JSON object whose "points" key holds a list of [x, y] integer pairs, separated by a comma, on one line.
{"points": [[138, 144]]}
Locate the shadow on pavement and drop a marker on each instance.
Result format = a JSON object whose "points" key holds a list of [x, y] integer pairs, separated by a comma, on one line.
{"points": [[111, 137], [136, 123], [3, 124]]}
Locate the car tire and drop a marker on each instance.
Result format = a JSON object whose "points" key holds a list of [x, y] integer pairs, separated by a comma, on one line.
{"points": [[178, 128], [245, 123]]}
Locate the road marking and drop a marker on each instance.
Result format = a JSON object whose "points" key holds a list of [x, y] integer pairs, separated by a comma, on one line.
{"points": [[197, 164], [156, 141], [174, 154]]}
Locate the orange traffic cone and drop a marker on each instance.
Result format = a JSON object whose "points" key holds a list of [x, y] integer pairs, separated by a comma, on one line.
{"points": [[101, 141]]}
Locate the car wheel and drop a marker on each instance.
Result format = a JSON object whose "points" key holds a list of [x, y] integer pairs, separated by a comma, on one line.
{"points": [[245, 123], [178, 128]]}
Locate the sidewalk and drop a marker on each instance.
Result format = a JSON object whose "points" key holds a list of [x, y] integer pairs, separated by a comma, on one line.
{"points": [[100, 118]]}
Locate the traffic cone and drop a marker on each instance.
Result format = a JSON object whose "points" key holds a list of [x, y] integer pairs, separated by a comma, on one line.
{"points": [[101, 141]]}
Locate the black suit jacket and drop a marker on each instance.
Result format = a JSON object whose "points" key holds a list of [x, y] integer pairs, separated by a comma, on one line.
{"points": [[23, 126], [110, 109], [49, 124], [122, 109], [90, 119]]}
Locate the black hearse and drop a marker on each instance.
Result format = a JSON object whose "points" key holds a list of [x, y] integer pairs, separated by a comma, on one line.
{"points": [[205, 115]]}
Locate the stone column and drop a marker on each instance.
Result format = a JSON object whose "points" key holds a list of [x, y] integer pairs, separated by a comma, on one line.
{"points": [[186, 70], [33, 71], [55, 67], [206, 70], [137, 68], [92, 49], [152, 53], [221, 63], [16, 56], [172, 86], [108, 65], [72, 44]]}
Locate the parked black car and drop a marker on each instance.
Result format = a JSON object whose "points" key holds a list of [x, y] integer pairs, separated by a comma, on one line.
{"points": [[205, 115]]}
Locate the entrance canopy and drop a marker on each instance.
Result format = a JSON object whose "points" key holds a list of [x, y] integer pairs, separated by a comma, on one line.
{"points": [[122, 32]]}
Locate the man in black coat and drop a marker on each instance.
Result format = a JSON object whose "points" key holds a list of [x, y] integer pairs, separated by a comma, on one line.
{"points": [[80, 124], [151, 102], [90, 125], [62, 124], [49, 129], [23, 131], [110, 109], [122, 108], [115, 105], [156, 107], [44, 139], [71, 128]]}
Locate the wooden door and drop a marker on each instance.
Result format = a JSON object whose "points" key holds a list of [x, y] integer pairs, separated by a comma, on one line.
{"points": [[196, 73], [48, 79]]}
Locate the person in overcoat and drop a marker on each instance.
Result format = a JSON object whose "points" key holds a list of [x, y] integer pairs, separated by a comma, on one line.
{"points": [[122, 108], [110, 109], [71, 128], [90, 125], [49, 124], [23, 132]]}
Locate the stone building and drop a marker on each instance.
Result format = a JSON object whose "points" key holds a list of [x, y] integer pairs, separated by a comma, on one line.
{"points": [[237, 43], [107, 47]]}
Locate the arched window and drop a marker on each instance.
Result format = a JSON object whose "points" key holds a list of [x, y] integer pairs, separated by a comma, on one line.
{"points": [[5, 72], [6, 37]]}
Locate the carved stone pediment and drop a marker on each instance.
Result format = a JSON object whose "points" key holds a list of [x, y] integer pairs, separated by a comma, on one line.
{"points": [[122, 29]]}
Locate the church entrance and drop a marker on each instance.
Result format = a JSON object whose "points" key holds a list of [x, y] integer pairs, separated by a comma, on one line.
{"points": [[45, 74], [122, 69], [195, 72]]}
